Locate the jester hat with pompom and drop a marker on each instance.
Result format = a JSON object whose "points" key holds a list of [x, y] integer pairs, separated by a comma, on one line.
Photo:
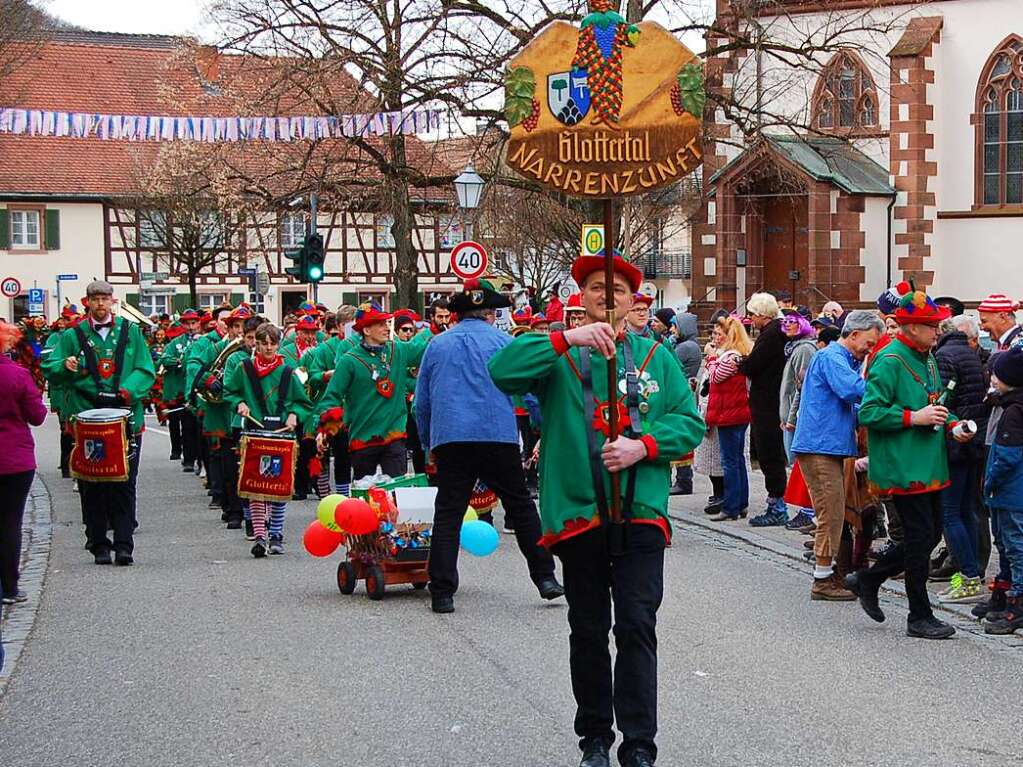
{"points": [[478, 294], [917, 308]]}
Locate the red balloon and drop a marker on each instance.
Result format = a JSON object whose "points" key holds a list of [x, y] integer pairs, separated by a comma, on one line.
{"points": [[319, 541], [356, 517]]}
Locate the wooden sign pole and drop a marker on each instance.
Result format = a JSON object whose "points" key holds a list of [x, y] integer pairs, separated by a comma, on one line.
{"points": [[615, 504]]}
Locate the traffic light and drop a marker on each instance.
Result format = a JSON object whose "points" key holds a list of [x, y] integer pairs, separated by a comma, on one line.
{"points": [[314, 257], [308, 260], [298, 270]]}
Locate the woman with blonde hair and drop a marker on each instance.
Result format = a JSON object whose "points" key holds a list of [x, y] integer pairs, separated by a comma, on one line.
{"points": [[728, 411]]}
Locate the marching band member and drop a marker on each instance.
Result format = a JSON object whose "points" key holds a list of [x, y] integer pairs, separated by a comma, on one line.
{"points": [[189, 423], [104, 362], [264, 391], [174, 384], [305, 340], [638, 318], [58, 390], [604, 562], [200, 356], [575, 314], [370, 381]]}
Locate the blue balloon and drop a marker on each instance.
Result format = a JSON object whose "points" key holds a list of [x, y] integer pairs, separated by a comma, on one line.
{"points": [[479, 538]]}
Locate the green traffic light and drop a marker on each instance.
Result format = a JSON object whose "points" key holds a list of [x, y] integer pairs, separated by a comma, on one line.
{"points": [[315, 273]]}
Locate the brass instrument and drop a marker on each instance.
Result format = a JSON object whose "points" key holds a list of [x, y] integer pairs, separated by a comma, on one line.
{"points": [[217, 369]]}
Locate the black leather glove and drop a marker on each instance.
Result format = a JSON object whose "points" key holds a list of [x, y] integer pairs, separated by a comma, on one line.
{"points": [[214, 386], [108, 399]]}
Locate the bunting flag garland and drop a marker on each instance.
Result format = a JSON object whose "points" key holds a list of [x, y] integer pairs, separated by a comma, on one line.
{"points": [[44, 122]]}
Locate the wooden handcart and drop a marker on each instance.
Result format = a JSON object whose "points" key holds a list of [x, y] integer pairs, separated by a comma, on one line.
{"points": [[375, 559]]}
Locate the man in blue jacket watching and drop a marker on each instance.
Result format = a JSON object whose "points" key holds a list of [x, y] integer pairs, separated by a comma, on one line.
{"points": [[469, 428], [826, 435]]}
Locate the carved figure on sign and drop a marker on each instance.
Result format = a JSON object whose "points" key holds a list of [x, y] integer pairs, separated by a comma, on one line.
{"points": [[602, 37]]}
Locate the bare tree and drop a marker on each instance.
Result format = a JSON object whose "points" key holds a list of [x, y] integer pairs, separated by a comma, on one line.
{"points": [[23, 28], [190, 211]]}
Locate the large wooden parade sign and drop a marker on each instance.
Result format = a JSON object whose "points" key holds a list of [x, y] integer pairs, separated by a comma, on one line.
{"points": [[604, 110]]}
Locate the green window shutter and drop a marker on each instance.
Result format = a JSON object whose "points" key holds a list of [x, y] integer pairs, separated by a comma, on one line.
{"points": [[237, 298], [5, 229], [351, 299], [52, 235], [133, 299]]}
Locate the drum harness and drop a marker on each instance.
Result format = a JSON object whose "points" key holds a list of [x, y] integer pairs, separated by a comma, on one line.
{"points": [[110, 398], [632, 430], [270, 422]]}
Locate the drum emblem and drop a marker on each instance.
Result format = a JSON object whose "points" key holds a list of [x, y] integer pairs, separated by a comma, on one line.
{"points": [[95, 450], [270, 466]]}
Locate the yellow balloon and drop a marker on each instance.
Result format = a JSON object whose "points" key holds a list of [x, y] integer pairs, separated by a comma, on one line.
{"points": [[470, 515], [325, 511]]}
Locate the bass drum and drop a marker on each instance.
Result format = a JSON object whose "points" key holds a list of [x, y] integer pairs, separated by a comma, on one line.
{"points": [[102, 447]]}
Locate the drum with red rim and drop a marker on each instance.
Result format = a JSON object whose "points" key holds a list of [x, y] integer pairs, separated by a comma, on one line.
{"points": [[267, 466], [102, 445]]}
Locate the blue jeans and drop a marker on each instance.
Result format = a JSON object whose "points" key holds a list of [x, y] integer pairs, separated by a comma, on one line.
{"points": [[1009, 538], [959, 516], [732, 441]]}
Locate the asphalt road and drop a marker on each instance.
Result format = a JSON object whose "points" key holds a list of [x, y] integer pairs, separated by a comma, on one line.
{"points": [[201, 656]]}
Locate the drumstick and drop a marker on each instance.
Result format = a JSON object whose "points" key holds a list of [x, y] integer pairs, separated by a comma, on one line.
{"points": [[255, 421]]}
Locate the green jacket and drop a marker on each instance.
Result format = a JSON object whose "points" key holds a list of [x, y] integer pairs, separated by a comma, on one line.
{"points": [[904, 459], [173, 362], [238, 388], [200, 353], [671, 427], [217, 417], [56, 388], [136, 378], [372, 419]]}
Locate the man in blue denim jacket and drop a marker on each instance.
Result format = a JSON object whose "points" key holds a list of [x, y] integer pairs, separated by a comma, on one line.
{"points": [[826, 435], [468, 426]]}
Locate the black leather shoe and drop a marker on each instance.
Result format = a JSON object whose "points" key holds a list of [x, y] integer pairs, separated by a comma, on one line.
{"points": [[234, 524], [175, 456], [638, 757], [866, 596], [443, 604], [929, 628], [595, 754], [124, 560], [103, 558], [550, 588]]}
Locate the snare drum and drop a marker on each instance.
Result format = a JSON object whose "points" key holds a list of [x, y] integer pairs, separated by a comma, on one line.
{"points": [[267, 466], [102, 445]]}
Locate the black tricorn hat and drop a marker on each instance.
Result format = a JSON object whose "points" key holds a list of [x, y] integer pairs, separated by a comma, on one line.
{"points": [[477, 294]]}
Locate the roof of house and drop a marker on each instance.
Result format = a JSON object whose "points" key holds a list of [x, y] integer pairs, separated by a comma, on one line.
{"points": [[824, 158], [108, 73]]}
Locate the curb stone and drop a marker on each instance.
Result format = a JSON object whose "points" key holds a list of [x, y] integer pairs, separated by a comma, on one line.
{"points": [[37, 532]]}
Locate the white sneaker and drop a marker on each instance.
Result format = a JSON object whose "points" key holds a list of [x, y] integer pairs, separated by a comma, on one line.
{"points": [[202, 473], [969, 590]]}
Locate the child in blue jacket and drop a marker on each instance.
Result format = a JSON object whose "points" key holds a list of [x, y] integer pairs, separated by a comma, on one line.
{"points": [[1003, 486]]}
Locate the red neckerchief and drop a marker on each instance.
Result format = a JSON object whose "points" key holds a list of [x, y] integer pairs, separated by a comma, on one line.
{"points": [[263, 369], [301, 348], [908, 342]]}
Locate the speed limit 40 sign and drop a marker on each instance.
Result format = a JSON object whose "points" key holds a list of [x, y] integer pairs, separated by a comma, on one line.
{"points": [[469, 259], [11, 287]]}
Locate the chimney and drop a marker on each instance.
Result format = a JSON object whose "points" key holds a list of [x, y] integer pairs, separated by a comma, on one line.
{"points": [[207, 62]]}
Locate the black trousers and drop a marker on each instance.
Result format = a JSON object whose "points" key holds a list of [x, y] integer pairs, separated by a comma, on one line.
{"points": [[190, 437], [229, 500], [415, 446], [67, 443], [174, 429], [306, 452], [766, 434], [214, 473], [14, 492], [342, 460], [921, 517], [634, 583], [498, 464], [111, 506], [392, 459]]}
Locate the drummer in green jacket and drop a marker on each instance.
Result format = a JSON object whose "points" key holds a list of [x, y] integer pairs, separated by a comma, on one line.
{"points": [[172, 362], [303, 343], [369, 382], [104, 362], [58, 404], [567, 371], [268, 409]]}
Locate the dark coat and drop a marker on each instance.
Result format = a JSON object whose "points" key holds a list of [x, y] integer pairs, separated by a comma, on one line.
{"points": [[1003, 476], [764, 367], [956, 360]]}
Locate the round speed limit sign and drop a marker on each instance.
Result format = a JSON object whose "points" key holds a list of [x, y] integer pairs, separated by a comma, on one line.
{"points": [[10, 287], [469, 259]]}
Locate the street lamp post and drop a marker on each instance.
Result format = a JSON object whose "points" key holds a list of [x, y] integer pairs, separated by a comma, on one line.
{"points": [[469, 188]]}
